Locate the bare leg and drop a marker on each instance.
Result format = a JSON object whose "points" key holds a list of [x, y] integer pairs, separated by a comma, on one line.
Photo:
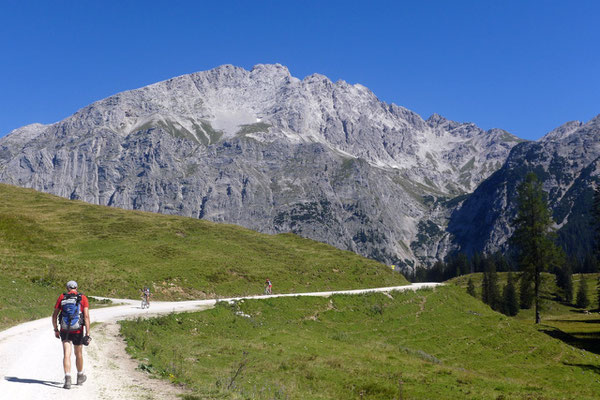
{"points": [[67, 357], [79, 357]]}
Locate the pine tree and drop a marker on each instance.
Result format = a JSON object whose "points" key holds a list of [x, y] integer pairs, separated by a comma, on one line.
{"points": [[436, 273], [596, 223], [489, 291], [598, 291], [510, 304], [476, 264], [590, 264], [532, 237], [564, 281], [526, 291], [501, 262], [568, 289], [471, 287], [485, 289], [582, 297]]}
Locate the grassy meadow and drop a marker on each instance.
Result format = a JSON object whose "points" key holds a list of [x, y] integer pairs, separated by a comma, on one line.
{"points": [[22, 300], [47, 240], [430, 344], [577, 327]]}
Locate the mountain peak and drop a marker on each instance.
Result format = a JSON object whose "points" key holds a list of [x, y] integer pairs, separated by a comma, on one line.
{"points": [[317, 78], [271, 69], [436, 120], [562, 131], [594, 121]]}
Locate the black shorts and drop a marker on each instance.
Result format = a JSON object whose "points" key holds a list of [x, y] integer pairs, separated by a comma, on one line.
{"points": [[76, 338]]}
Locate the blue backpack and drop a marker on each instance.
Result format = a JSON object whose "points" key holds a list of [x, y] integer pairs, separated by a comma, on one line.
{"points": [[71, 318]]}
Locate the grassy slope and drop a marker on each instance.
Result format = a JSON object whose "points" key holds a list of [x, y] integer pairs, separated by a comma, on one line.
{"points": [[560, 320], [440, 344], [46, 240], [22, 300]]}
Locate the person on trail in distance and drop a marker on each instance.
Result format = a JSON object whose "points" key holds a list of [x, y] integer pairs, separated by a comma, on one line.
{"points": [[268, 287], [146, 295], [71, 311]]}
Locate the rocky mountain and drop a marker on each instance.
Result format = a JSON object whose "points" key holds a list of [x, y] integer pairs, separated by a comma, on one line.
{"points": [[268, 151], [567, 161]]}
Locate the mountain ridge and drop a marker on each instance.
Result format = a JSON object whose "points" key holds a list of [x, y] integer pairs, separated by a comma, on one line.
{"points": [[567, 162], [234, 145]]}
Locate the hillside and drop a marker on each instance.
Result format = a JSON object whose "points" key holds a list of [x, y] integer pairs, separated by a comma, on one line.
{"points": [[439, 344], [46, 241], [577, 327]]}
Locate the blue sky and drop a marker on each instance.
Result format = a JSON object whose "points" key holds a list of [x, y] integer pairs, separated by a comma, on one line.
{"points": [[523, 66]]}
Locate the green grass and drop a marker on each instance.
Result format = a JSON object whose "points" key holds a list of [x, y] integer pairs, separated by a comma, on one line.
{"points": [[46, 241], [551, 306], [440, 344], [562, 321], [23, 300]]}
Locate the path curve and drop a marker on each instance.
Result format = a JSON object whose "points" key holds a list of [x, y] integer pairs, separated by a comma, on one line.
{"points": [[31, 357]]}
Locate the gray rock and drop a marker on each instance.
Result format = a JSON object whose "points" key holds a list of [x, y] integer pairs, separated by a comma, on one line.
{"points": [[567, 161], [268, 151]]}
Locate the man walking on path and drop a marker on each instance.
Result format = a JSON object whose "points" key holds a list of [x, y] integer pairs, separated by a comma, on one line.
{"points": [[74, 316]]}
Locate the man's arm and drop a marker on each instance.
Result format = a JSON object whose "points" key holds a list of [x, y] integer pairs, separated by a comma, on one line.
{"points": [[54, 323], [86, 318]]}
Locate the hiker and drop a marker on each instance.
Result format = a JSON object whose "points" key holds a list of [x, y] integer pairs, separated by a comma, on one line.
{"points": [[73, 318], [145, 297], [268, 287]]}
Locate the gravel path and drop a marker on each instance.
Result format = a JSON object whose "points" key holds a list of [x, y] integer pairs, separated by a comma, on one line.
{"points": [[31, 357]]}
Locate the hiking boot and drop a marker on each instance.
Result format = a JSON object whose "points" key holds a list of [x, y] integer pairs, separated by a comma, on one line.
{"points": [[67, 382], [81, 378]]}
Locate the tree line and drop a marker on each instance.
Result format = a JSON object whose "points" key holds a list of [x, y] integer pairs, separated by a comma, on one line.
{"points": [[532, 250]]}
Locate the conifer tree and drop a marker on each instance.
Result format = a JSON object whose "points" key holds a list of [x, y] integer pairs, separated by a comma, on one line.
{"points": [[598, 291], [596, 223], [582, 297], [564, 281], [590, 264], [532, 236], [471, 287], [485, 291], [526, 291], [568, 289], [501, 262], [510, 304], [476, 263], [489, 291]]}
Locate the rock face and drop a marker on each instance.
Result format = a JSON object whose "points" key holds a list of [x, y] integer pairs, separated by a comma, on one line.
{"points": [[567, 161], [268, 151]]}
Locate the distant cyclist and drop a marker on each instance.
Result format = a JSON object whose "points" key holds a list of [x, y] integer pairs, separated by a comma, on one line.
{"points": [[71, 311], [145, 297], [268, 287]]}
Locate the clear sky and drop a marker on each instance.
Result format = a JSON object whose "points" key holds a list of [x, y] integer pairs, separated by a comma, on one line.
{"points": [[523, 66]]}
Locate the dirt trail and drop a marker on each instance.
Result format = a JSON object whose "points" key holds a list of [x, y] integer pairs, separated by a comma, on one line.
{"points": [[31, 357]]}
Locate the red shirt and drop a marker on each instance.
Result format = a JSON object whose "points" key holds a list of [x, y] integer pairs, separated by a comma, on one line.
{"points": [[84, 303]]}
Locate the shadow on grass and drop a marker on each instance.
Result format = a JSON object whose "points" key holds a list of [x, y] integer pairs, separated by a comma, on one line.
{"points": [[587, 367], [579, 310], [585, 321], [588, 341]]}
